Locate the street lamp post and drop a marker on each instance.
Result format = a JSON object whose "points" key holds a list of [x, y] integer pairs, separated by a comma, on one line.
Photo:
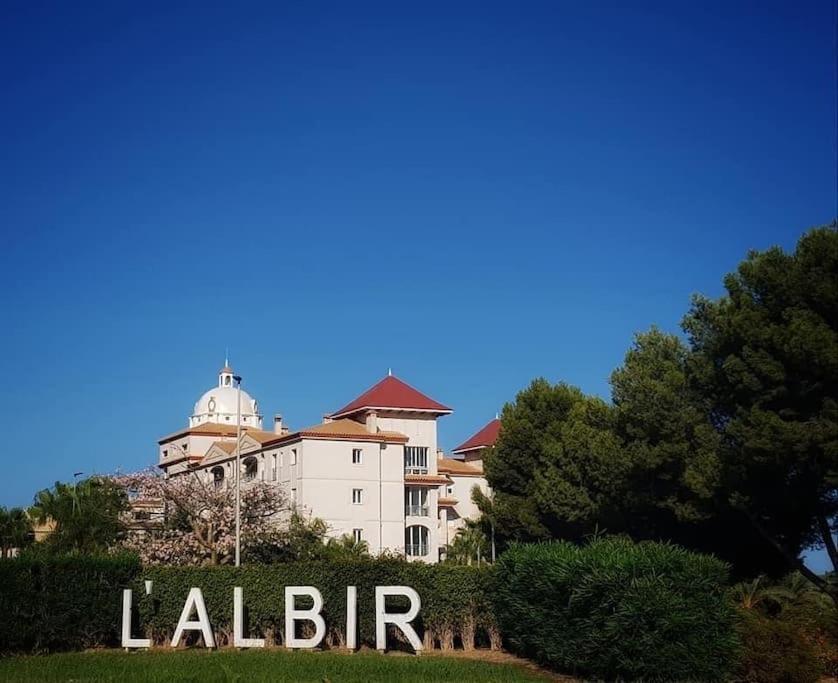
{"points": [[238, 381]]}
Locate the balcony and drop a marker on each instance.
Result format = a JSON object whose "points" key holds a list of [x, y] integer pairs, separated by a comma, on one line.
{"points": [[413, 469], [416, 550], [416, 511]]}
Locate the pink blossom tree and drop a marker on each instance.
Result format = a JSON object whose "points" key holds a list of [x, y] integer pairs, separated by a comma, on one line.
{"points": [[188, 521]]}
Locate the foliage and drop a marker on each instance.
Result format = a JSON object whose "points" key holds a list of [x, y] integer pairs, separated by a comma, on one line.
{"points": [[87, 515], [557, 467], [15, 530], [454, 599], [616, 609], [789, 627], [469, 546], [262, 666], [195, 521], [51, 602], [774, 651], [766, 357], [304, 539]]}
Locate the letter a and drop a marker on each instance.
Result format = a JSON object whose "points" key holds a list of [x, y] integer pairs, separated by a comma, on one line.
{"points": [[195, 600]]}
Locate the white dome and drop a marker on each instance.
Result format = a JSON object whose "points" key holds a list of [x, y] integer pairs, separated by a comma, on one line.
{"points": [[224, 401], [220, 404]]}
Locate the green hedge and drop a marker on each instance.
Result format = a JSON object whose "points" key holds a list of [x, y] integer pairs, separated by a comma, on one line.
{"points": [[58, 603], [76, 602], [455, 602], [616, 609]]}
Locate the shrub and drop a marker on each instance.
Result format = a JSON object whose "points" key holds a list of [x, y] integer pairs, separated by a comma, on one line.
{"points": [[455, 604], [56, 603], [774, 651], [616, 609], [52, 602]]}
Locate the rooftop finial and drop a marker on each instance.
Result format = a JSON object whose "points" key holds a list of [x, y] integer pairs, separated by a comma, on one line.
{"points": [[226, 356], [497, 415], [389, 372]]}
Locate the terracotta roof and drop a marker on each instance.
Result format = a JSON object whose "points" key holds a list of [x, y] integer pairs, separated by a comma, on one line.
{"points": [[341, 430], [214, 429], [484, 438], [458, 468], [447, 501], [226, 446], [261, 436], [392, 393], [428, 479]]}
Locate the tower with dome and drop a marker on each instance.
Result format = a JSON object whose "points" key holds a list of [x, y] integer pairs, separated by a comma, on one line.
{"points": [[220, 404]]}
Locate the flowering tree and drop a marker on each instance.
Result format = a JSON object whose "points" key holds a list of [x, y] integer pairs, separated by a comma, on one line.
{"points": [[184, 520]]}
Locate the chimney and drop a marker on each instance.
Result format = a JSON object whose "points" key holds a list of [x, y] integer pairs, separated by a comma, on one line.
{"points": [[440, 454], [372, 422], [278, 424], [285, 430]]}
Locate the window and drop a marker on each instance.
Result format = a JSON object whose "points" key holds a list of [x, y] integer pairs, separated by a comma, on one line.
{"points": [[251, 468], [165, 454], [218, 477], [416, 541], [273, 467], [356, 456], [357, 496], [357, 535], [450, 489], [416, 459], [293, 456], [416, 501]]}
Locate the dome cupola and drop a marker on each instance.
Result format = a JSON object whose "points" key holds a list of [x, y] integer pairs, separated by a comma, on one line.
{"points": [[220, 405]]}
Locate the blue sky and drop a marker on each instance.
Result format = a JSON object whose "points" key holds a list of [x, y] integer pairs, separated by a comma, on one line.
{"points": [[472, 194]]}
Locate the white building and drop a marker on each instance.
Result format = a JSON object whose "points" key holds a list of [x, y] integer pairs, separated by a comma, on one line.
{"points": [[371, 470]]}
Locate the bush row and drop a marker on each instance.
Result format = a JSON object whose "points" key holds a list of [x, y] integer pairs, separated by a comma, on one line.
{"points": [[616, 609], [612, 609], [60, 603], [455, 600], [76, 602]]}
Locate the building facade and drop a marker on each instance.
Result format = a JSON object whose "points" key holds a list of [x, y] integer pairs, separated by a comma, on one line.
{"points": [[371, 470]]}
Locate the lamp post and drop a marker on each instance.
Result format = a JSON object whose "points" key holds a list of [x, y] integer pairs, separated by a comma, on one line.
{"points": [[238, 380]]}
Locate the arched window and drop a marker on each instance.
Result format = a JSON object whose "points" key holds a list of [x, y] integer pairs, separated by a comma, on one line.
{"points": [[251, 467], [416, 541], [218, 477], [227, 381]]}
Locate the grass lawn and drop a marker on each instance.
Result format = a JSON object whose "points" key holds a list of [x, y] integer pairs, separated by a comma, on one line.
{"points": [[258, 665]]}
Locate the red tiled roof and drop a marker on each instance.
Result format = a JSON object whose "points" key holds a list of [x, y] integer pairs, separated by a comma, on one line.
{"points": [[485, 437], [392, 393]]}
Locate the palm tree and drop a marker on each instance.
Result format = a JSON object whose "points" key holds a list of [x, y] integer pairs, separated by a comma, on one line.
{"points": [[15, 530], [468, 546], [86, 515], [760, 593]]}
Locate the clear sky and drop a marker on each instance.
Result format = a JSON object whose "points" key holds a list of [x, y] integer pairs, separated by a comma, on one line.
{"points": [[472, 194]]}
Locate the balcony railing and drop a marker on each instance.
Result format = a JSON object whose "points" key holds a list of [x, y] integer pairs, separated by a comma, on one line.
{"points": [[413, 469], [416, 550], [416, 510]]}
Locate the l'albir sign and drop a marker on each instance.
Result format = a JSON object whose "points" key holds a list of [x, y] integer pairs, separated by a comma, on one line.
{"points": [[293, 614]]}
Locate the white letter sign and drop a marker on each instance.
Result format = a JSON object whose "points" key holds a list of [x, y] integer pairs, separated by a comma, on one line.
{"points": [[238, 623], [127, 640], [194, 600], [402, 620], [292, 615]]}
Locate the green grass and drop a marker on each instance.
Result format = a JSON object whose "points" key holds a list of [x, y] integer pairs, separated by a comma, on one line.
{"points": [[244, 667]]}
